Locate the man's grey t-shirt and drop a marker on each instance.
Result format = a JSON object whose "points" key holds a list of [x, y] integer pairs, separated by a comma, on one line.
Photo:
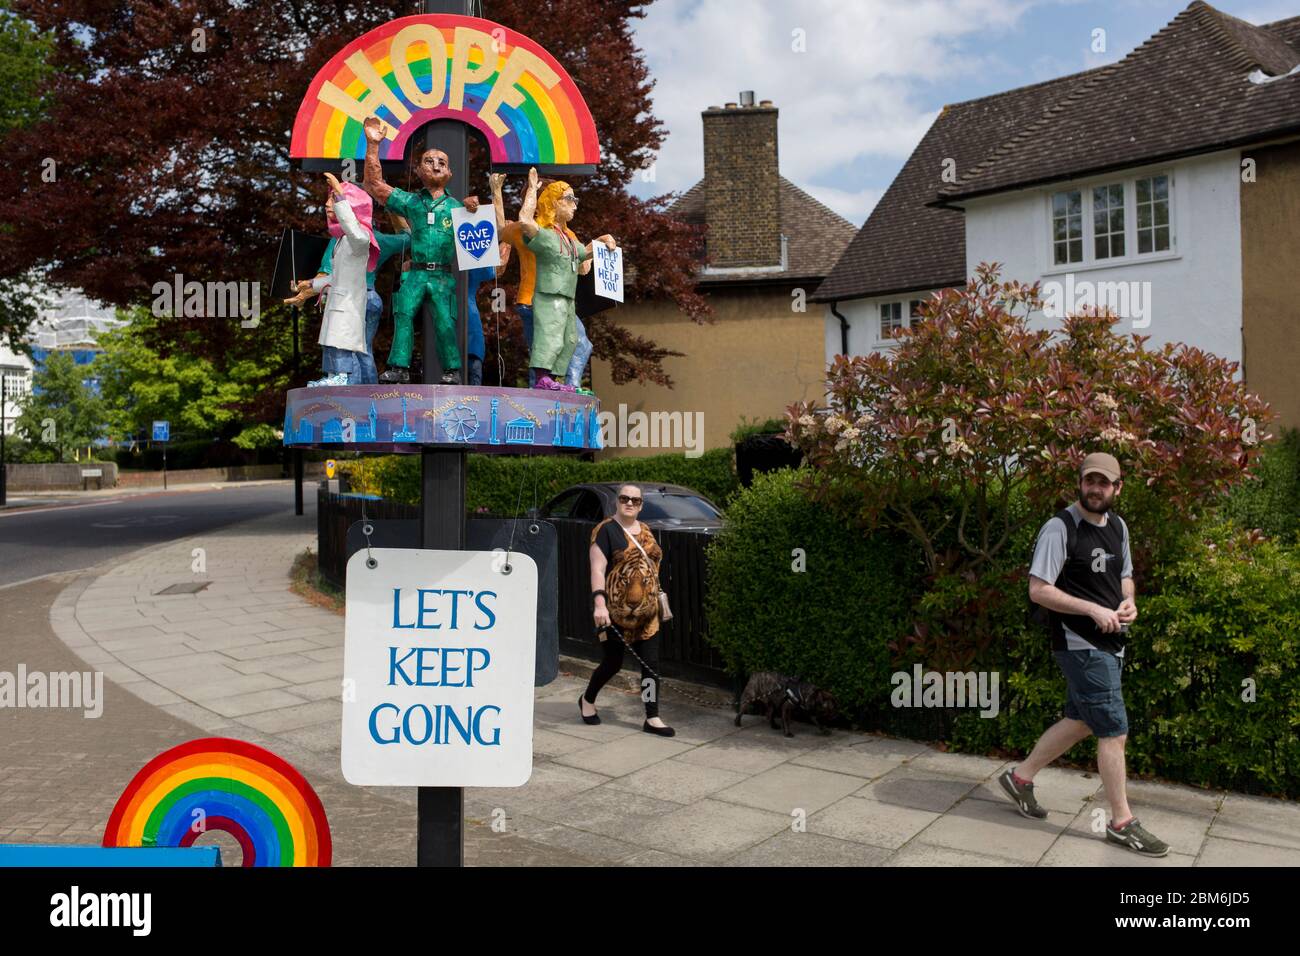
{"points": [[1049, 558]]}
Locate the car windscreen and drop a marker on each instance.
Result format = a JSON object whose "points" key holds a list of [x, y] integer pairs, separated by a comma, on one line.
{"points": [[682, 507]]}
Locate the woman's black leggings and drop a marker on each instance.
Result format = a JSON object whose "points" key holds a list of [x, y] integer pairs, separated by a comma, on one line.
{"points": [[613, 661]]}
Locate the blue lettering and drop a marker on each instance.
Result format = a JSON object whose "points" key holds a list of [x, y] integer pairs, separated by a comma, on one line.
{"points": [[492, 618], [428, 610], [374, 733], [428, 724], [454, 596], [496, 731], [469, 680], [395, 666], [421, 667], [397, 598], [446, 669], [461, 729]]}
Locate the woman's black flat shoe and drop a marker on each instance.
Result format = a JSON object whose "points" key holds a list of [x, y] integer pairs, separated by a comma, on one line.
{"points": [[649, 728], [593, 719]]}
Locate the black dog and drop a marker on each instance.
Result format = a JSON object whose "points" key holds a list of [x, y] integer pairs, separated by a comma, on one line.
{"points": [[784, 695]]}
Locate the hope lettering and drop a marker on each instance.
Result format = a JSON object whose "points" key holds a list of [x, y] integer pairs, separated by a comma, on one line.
{"points": [[463, 72]]}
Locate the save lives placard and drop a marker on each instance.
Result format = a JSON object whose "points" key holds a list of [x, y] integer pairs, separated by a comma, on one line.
{"points": [[438, 665]]}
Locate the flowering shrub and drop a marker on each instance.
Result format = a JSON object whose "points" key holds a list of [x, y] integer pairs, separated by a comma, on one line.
{"points": [[974, 409]]}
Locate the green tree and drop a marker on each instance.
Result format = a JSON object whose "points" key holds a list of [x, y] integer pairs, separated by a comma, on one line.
{"points": [[63, 413], [142, 380], [24, 76]]}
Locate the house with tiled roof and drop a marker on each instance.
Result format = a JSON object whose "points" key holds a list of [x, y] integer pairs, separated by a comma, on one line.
{"points": [[767, 246], [1165, 186]]}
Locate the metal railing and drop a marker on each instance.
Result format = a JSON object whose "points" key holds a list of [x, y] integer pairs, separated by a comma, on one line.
{"points": [[685, 652]]}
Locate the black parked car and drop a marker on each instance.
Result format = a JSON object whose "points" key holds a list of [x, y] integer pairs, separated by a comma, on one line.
{"points": [[665, 507]]}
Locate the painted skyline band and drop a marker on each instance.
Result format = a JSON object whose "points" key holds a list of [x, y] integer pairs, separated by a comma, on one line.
{"points": [[369, 419]]}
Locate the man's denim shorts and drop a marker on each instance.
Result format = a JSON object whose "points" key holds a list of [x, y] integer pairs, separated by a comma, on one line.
{"points": [[1095, 696]]}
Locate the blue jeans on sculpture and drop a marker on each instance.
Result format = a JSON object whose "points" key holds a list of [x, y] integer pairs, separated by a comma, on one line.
{"points": [[526, 317], [340, 360], [581, 352], [367, 373]]}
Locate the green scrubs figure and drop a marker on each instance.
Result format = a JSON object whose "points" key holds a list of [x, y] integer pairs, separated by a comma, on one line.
{"points": [[431, 242], [555, 323]]}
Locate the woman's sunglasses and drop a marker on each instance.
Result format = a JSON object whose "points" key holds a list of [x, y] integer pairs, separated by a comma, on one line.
{"points": [[625, 500], [571, 198]]}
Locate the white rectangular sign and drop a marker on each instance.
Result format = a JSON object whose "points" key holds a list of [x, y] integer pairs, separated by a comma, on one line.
{"points": [[608, 266], [438, 662], [476, 237]]}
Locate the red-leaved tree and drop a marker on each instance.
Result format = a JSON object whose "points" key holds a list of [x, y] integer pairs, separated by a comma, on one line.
{"points": [[975, 404], [169, 152]]}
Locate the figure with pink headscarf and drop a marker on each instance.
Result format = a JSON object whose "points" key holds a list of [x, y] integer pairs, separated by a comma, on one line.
{"points": [[348, 210]]}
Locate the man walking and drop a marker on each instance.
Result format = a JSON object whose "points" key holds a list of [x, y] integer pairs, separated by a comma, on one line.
{"points": [[1082, 573]]}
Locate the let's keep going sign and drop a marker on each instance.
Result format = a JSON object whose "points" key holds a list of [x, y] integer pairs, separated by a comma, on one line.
{"points": [[438, 667]]}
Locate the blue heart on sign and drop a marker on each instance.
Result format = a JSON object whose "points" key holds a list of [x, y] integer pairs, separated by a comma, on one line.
{"points": [[476, 239]]}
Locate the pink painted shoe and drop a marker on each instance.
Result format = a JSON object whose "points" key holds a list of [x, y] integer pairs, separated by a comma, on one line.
{"points": [[551, 385]]}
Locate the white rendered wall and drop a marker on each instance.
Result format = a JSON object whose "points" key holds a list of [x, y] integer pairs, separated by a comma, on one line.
{"points": [[1194, 292], [1195, 289]]}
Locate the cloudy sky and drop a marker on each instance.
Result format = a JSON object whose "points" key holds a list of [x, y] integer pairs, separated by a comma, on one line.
{"points": [[872, 74]]}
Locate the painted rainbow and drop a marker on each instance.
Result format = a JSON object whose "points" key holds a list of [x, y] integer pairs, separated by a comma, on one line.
{"points": [[440, 66], [221, 784]]}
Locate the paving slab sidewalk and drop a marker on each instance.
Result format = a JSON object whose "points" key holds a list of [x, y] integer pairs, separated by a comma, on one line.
{"points": [[247, 658]]}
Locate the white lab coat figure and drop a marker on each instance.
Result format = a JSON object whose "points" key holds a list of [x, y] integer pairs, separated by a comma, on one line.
{"points": [[343, 323]]}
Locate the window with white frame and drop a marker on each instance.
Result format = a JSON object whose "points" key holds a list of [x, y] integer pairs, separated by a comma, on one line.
{"points": [[1067, 228], [1152, 214], [1113, 220], [1108, 221], [891, 318], [16, 383]]}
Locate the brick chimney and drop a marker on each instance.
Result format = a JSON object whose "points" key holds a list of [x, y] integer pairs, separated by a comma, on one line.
{"points": [[742, 184]]}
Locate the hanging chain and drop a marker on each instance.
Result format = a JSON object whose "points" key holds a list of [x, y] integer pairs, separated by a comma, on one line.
{"points": [[368, 529]]}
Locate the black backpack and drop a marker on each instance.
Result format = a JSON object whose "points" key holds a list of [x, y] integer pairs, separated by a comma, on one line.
{"points": [[1039, 616]]}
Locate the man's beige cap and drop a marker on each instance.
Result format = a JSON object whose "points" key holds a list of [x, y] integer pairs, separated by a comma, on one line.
{"points": [[1101, 462]]}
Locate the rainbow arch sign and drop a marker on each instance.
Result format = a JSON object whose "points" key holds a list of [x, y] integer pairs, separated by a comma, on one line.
{"points": [[416, 69], [230, 785]]}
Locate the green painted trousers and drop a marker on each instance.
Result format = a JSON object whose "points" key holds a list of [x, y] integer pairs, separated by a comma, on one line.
{"points": [[555, 333], [440, 288]]}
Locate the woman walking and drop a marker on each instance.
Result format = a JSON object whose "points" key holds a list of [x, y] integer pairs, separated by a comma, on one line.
{"points": [[625, 589]]}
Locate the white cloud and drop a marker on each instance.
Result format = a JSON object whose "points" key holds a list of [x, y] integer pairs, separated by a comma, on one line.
{"points": [[854, 94]]}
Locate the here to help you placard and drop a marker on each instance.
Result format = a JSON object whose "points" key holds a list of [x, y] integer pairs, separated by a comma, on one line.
{"points": [[608, 266], [438, 666]]}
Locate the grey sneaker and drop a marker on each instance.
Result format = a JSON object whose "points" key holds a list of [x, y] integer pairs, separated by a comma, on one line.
{"points": [[1138, 840], [1023, 795]]}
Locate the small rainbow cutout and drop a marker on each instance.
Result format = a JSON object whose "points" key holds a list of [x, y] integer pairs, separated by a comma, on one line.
{"points": [[248, 792], [550, 126]]}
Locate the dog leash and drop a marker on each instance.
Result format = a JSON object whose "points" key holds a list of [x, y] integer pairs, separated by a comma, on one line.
{"points": [[659, 680]]}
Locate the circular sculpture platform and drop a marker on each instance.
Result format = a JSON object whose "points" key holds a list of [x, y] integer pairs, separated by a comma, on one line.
{"points": [[406, 418]]}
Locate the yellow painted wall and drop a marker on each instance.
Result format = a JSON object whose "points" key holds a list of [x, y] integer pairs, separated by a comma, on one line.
{"points": [[754, 359], [1270, 263]]}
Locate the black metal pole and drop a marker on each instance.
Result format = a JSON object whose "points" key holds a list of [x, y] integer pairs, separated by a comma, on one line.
{"points": [[4, 426], [296, 452], [440, 821]]}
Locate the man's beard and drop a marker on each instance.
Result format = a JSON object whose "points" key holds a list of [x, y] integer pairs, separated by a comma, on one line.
{"points": [[1100, 509]]}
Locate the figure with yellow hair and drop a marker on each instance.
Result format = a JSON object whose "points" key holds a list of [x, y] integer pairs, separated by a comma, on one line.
{"points": [[559, 259]]}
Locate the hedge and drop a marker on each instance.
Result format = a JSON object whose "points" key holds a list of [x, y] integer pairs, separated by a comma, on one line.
{"points": [[494, 482], [1271, 500], [794, 589], [1213, 618]]}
